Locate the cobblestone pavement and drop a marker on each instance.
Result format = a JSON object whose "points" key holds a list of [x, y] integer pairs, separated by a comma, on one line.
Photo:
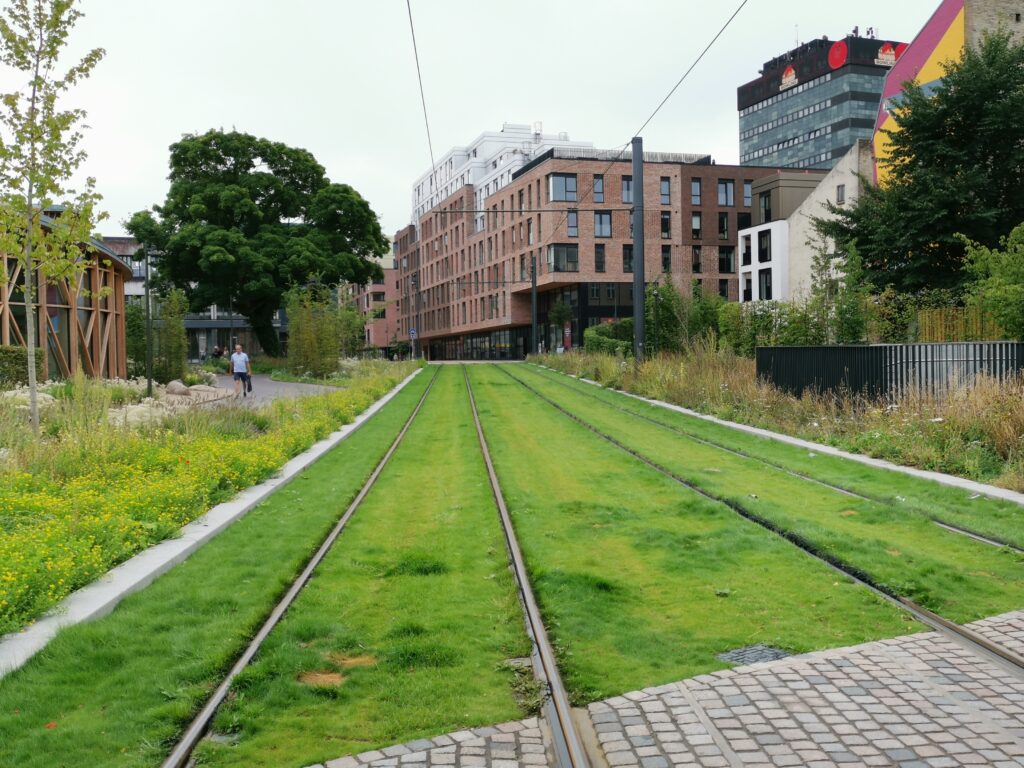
{"points": [[914, 702], [519, 744], [920, 701], [1006, 630]]}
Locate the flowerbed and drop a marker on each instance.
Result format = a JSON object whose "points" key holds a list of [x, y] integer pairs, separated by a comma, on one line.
{"points": [[76, 504]]}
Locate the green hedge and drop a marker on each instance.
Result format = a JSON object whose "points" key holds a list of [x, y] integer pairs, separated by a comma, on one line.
{"points": [[14, 365], [594, 340]]}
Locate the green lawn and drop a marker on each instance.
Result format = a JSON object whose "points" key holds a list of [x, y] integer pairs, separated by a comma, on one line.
{"points": [[417, 591], [118, 690], [642, 581], [957, 577], [1003, 520]]}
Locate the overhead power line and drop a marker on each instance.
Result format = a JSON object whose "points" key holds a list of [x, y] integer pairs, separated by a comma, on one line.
{"points": [[423, 98], [618, 156]]}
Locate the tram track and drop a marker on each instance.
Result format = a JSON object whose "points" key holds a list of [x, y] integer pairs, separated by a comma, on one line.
{"points": [[1004, 657], [568, 742], [182, 752], [937, 520]]}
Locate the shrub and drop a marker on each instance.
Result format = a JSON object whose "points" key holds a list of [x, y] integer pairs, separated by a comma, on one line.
{"points": [[90, 494], [14, 365]]}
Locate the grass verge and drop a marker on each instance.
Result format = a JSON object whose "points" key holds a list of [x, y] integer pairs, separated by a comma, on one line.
{"points": [[1000, 519], [959, 578], [116, 692], [641, 581], [406, 629]]}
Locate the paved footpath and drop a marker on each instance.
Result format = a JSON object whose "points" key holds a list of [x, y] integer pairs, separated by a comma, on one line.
{"points": [[265, 389], [919, 701]]}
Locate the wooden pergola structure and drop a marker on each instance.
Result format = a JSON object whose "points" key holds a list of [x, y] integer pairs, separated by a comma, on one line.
{"points": [[80, 322]]}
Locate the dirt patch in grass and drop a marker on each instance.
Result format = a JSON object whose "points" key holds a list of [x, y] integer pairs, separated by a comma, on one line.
{"points": [[321, 678], [347, 662]]}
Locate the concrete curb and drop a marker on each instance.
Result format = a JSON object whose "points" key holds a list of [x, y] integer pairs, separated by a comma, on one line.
{"points": [[952, 481], [101, 596]]}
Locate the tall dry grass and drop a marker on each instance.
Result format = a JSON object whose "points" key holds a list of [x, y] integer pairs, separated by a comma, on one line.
{"points": [[976, 430]]}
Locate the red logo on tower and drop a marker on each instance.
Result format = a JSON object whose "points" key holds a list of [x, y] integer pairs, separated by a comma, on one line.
{"points": [[788, 79], [886, 56]]}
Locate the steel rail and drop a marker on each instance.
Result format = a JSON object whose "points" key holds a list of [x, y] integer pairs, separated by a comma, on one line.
{"points": [[940, 522], [1004, 657], [197, 728], [568, 742]]}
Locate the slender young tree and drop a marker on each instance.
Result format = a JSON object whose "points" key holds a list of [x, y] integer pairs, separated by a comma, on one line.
{"points": [[39, 153]]}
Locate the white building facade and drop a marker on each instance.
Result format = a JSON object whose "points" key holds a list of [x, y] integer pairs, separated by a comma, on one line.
{"points": [[487, 163], [777, 258]]}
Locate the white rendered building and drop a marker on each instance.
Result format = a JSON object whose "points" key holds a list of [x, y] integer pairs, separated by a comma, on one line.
{"points": [[487, 163]]}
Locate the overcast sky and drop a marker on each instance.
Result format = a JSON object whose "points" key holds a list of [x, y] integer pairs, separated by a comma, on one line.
{"points": [[337, 77]]}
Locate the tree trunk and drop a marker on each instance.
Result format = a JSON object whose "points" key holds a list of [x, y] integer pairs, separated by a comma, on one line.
{"points": [[266, 334]]}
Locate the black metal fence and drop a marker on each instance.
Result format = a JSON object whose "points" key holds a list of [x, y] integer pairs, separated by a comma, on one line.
{"points": [[885, 370]]}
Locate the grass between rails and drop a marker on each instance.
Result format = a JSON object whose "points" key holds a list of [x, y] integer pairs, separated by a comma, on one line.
{"points": [[642, 581], [117, 691], [955, 576], [1003, 520], [977, 431], [78, 502], [406, 629]]}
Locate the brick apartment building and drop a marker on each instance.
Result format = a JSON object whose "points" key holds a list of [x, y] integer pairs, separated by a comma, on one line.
{"points": [[464, 282], [377, 302]]}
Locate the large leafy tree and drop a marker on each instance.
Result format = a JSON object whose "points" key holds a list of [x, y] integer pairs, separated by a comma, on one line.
{"points": [[245, 218], [956, 168], [39, 153]]}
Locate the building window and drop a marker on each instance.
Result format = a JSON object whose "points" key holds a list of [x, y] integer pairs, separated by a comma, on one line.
{"points": [[765, 202], [840, 194], [696, 258], [723, 226], [666, 225], [599, 257], [695, 225], [602, 224], [522, 266], [573, 224], [563, 188], [764, 284], [726, 192], [666, 258], [529, 231], [748, 193], [743, 220], [598, 189], [610, 292], [723, 289], [726, 259], [764, 245], [694, 191], [666, 190], [746, 250], [564, 258], [627, 189], [627, 258], [595, 292]]}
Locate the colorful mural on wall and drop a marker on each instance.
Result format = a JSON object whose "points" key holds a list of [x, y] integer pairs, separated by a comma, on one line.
{"points": [[941, 39]]}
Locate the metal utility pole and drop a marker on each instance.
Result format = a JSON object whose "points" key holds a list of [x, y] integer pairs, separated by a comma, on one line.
{"points": [[149, 333], [417, 347], [638, 248], [533, 306]]}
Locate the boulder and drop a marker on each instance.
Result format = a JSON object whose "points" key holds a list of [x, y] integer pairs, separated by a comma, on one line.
{"points": [[177, 388]]}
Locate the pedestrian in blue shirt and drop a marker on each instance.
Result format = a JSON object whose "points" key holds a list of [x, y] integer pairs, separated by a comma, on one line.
{"points": [[241, 369]]}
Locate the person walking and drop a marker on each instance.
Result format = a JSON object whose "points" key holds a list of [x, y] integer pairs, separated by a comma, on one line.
{"points": [[241, 370]]}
